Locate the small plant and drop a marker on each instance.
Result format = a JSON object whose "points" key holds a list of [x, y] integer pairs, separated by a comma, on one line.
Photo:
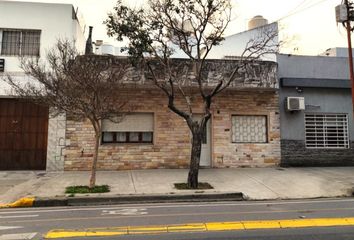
{"points": [[86, 189], [201, 185]]}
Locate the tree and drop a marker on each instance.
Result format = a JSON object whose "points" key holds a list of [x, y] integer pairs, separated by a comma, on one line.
{"points": [[82, 86], [193, 27]]}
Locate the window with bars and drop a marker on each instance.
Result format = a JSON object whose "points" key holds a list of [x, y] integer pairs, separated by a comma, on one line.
{"points": [[249, 129], [16, 42], [132, 128], [326, 130]]}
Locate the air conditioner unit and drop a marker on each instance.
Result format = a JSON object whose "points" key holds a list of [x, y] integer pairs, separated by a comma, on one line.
{"points": [[295, 103]]}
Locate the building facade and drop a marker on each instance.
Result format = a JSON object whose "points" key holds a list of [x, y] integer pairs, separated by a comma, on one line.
{"points": [[243, 131], [29, 138], [321, 132]]}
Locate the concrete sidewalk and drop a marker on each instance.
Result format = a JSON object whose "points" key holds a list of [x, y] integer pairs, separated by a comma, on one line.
{"points": [[254, 183]]}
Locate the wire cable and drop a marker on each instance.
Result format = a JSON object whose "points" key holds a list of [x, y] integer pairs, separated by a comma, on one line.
{"points": [[301, 10]]}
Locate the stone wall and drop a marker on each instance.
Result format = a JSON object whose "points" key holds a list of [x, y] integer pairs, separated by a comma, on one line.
{"points": [[56, 143], [228, 154], [171, 147], [295, 154]]}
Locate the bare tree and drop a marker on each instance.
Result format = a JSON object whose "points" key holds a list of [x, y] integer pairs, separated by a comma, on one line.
{"points": [[82, 86], [192, 27]]}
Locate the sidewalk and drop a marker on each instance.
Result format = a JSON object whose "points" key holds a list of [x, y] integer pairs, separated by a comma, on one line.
{"points": [[254, 183]]}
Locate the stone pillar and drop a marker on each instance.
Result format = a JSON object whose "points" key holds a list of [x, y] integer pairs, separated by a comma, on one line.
{"points": [[56, 143]]}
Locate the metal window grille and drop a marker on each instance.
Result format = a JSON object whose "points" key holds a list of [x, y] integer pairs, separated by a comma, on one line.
{"points": [[326, 130], [20, 42], [249, 129]]}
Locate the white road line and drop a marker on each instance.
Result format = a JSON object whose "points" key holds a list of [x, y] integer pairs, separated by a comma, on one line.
{"points": [[9, 227], [19, 216], [127, 211], [18, 236], [174, 205]]}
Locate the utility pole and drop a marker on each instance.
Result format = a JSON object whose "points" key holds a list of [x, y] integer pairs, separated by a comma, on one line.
{"points": [[350, 52], [344, 15]]}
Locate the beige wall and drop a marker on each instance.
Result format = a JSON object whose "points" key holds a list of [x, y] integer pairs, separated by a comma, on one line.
{"points": [[171, 147]]}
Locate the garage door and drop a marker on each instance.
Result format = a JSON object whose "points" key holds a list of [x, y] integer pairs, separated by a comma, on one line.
{"points": [[23, 135]]}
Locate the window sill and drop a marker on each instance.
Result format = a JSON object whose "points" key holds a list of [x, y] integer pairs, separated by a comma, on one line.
{"points": [[127, 144]]}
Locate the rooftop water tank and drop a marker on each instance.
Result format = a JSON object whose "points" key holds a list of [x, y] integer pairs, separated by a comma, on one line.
{"points": [[107, 49], [257, 21]]}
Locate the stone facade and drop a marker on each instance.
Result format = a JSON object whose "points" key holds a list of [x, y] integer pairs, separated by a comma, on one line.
{"points": [[56, 143], [295, 154], [171, 144]]}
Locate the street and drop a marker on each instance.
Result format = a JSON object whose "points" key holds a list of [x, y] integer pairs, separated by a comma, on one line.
{"points": [[35, 223]]}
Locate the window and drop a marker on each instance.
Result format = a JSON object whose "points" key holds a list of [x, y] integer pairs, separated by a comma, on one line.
{"points": [[15, 42], [133, 128], [249, 129], [326, 130]]}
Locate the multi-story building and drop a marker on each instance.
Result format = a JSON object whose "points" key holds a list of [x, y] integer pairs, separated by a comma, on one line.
{"points": [[29, 138]]}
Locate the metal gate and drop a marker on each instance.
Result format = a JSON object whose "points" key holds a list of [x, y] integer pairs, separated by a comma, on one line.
{"points": [[23, 135]]}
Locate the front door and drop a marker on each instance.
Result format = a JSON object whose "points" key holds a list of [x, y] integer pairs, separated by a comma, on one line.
{"points": [[205, 157]]}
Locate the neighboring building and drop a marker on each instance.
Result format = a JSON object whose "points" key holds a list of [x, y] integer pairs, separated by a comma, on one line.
{"points": [[233, 46], [243, 130], [322, 134], [29, 139], [336, 52]]}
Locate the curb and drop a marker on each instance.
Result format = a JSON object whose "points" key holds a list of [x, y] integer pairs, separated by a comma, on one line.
{"points": [[123, 199], [22, 202]]}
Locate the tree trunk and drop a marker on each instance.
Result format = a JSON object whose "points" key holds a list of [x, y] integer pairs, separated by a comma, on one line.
{"points": [[95, 158], [195, 159]]}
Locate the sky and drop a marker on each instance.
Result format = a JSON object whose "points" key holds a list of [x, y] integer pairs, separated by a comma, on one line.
{"points": [[309, 26]]}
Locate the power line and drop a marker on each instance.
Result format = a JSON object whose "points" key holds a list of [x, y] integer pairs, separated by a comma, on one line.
{"points": [[298, 6], [300, 10]]}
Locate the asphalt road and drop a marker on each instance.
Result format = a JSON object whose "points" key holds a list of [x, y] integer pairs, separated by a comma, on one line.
{"points": [[35, 223]]}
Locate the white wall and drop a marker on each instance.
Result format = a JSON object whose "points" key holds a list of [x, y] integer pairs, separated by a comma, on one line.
{"points": [[54, 20], [234, 45]]}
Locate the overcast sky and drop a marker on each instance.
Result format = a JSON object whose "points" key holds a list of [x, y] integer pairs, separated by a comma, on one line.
{"points": [[310, 23]]}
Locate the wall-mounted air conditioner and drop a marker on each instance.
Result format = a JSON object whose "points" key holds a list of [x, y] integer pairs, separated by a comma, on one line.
{"points": [[295, 103]]}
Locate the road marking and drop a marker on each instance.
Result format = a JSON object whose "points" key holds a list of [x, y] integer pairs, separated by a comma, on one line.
{"points": [[18, 236], [174, 205], [9, 227], [19, 216], [202, 227], [219, 213], [127, 211]]}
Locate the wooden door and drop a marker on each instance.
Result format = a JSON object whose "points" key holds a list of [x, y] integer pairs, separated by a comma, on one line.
{"points": [[23, 135]]}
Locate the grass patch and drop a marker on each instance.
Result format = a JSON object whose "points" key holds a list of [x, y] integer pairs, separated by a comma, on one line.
{"points": [[86, 189], [201, 185]]}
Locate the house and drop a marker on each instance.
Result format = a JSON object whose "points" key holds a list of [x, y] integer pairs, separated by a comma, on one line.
{"points": [[29, 138], [243, 130], [315, 111]]}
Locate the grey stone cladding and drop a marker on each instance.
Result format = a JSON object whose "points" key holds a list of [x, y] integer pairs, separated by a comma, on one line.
{"points": [[295, 154]]}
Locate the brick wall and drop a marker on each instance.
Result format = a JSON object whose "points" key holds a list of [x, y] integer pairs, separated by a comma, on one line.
{"points": [[171, 148]]}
